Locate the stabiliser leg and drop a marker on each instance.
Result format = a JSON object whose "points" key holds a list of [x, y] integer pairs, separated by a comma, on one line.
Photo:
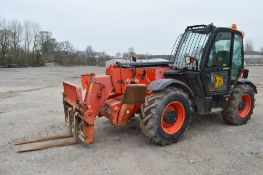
{"points": [[82, 127], [89, 134], [88, 127]]}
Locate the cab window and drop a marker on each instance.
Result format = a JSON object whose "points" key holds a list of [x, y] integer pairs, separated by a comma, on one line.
{"points": [[220, 52], [237, 56]]}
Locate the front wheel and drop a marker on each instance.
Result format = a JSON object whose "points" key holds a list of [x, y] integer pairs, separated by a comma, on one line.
{"points": [[165, 116], [240, 106]]}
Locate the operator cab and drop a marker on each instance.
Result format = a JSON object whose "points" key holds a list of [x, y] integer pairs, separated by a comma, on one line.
{"points": [[209, 60]]}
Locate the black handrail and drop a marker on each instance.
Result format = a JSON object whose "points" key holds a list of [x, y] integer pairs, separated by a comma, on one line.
{"points": [[143, 64]]}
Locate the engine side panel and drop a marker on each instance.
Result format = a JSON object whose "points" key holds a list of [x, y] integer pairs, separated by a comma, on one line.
{"points": [[121, 77]]}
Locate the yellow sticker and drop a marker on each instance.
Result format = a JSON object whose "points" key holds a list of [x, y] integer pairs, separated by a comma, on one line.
{"points": [[219, 81]]}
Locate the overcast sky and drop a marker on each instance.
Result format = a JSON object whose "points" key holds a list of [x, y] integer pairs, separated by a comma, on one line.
{"points": [[150, 26]]}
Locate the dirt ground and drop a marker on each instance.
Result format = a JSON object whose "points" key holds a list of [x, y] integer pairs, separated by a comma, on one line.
{"points": [[31, 105]]}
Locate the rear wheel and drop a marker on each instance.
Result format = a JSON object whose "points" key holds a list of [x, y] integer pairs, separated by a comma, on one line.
{"points": [[165, 116], [240, 106]]}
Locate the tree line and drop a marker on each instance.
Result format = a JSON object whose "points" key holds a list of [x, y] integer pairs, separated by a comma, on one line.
{"points": [[24, 43]]}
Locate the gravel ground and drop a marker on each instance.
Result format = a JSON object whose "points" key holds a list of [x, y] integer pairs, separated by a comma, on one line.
{"points": [[31, 105]]}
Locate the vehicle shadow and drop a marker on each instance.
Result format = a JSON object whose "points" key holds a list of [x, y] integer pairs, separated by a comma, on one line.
{"points": [[199, 125]]}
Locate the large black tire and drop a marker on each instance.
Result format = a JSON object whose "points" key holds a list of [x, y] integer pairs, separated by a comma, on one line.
{"points": [[153, 113], [238, 109]]}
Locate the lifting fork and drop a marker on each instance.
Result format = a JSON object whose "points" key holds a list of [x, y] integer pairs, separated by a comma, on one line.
{"points": [[46, 146]]}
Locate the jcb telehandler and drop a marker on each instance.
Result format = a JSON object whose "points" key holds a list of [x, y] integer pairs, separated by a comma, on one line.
{"points": [[205, 74]]}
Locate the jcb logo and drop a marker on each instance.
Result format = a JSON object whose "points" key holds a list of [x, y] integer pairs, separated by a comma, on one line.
{"points": [[219, 81]]}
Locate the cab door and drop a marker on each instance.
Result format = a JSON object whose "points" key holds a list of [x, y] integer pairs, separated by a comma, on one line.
{"points": [[238, 58], [216, 74]]}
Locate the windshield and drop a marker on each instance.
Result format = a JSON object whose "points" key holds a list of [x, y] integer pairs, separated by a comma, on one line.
{"points": [[191, 45]]}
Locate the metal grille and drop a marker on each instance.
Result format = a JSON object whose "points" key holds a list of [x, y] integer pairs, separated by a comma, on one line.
{"points": [[191, 44], [175, 47]]}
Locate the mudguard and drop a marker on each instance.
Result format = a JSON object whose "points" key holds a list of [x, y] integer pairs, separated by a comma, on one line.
{"points": [[160, 84], [246, 81]]}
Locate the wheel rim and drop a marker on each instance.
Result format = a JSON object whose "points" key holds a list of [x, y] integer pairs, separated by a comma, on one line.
{"points": [[244, 106], [173, 117]]}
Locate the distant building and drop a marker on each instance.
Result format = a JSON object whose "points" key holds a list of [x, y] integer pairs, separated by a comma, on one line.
{"points": [[114, 60], [254, 59], [50, 64]]}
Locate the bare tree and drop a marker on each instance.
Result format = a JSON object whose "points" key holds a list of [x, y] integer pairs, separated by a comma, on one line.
{"points": [[249, 46], [35, 34], [131, 51], [16, 35], [118, 55], [89, 50], [4, 40], [1, 29], [68, 47], [35, 29], [103, 54], [47, 43], [65, 46], [28, 36]]}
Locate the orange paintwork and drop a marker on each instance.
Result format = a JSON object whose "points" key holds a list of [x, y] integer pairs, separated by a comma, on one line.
{"points": [[234, 27], [243, 113], [103, 95], [72, 94], [178, 108], [128, 74]]}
